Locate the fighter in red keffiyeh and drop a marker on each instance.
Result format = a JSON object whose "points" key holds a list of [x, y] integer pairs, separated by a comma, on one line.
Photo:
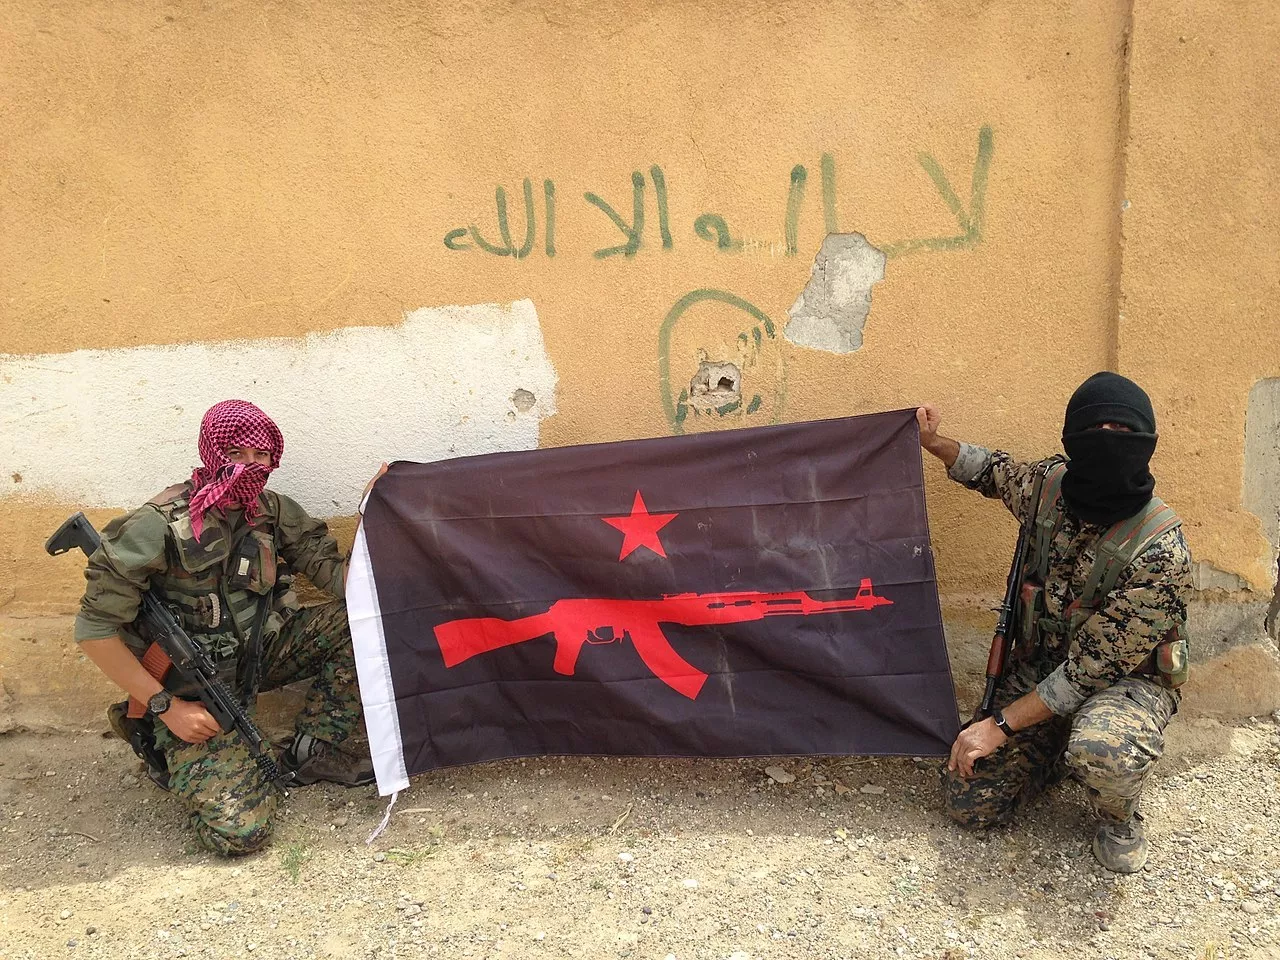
{"points": [[229, 584], [220, 482]]}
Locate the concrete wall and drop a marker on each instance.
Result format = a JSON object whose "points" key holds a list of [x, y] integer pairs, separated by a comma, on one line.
{"points": [[412, 232]]}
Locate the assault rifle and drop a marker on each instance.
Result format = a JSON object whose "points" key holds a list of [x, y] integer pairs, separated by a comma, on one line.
{"points": [[575, 622], [188, 657], [1002, 641]]}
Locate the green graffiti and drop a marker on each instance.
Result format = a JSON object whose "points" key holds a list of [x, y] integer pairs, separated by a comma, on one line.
{"points": [[508, 248], [829, 221], [712, 226], [549, 198], [453, 236], [795, 197], [677, 409], [632, 232], [971, 222], [660, 195]]}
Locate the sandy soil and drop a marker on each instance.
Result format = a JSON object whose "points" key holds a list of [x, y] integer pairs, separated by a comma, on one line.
{"points": [[646, 859]]}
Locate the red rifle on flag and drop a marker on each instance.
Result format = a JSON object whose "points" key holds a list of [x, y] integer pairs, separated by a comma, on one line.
{"points": [[575, 622]]}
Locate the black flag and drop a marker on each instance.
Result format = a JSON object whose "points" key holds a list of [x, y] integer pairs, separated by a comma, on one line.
{"points": [[754, 592]]}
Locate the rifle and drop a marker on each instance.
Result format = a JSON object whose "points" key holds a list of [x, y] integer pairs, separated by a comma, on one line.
{"points": [[575, 622], [1002, 641], [190, 659]]}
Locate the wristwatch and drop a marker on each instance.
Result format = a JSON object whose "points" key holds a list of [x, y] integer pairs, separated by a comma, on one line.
{"points": [[1002, 723], [160, 702]]}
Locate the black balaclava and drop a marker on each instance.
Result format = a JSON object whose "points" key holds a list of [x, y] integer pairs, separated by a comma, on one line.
{"points": [[1107, 479]]}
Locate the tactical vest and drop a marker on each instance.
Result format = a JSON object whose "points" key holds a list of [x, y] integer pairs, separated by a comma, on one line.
{"points": [[222, 588], [1123, 543]]}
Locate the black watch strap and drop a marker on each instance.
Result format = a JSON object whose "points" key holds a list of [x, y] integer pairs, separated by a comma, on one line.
{"points": [[1002, 723], [160, 702]]}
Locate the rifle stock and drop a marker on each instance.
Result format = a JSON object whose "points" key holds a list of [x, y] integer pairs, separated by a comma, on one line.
{"points": [[461, 640]]}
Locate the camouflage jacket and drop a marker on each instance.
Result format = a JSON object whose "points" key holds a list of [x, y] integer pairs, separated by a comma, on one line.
{"points": [[216, 586], [1149, 598]]}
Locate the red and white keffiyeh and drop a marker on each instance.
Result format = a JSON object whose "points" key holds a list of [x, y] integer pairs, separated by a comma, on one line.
{"points": [[221, 483]]}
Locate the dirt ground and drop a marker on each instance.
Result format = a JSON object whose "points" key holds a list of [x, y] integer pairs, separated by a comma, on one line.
{"points": [[640, 858]]}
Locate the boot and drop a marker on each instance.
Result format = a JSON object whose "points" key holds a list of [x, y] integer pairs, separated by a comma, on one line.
{"points": [[140, 735], [309, 760], [1121, 846]]}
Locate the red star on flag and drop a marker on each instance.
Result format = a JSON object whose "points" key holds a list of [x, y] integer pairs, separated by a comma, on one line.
{"points": [[640, 529]]}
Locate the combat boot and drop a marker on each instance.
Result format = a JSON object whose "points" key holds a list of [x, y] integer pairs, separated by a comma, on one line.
{"points": [[308, 760], [1121, 846], [140, 735]]}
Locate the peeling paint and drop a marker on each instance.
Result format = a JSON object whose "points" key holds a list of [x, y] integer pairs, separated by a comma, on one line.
{"points": [[110, 428], [830, 312], [1205, 576]]}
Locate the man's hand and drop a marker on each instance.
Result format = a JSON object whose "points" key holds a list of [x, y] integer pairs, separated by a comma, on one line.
{"points": [[190, 721], [944, 448], [977, 741], [929, 419]]}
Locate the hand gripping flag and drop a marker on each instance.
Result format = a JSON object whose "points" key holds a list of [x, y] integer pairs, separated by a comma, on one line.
{"points": [[755, 592]]}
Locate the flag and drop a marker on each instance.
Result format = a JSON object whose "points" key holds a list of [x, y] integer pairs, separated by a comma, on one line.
{"points": [[759, 592]]}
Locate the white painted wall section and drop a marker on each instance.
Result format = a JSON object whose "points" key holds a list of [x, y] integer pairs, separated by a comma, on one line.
{"points": [[111, 428]]}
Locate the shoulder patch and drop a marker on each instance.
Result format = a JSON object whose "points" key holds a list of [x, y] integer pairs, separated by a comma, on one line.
{"points": [[168, 495]]}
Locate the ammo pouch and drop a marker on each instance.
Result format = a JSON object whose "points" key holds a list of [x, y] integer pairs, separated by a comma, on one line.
{"points": [[1031, 610], [1170, 661]]}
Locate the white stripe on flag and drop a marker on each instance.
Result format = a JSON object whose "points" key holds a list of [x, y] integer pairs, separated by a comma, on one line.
{"points": [[374, 670]]}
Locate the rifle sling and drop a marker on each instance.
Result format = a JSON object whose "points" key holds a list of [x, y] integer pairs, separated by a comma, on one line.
{"points": [[251, 646], [252, 651]]}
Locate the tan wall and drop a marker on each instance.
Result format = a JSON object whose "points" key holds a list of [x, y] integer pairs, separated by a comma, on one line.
{"points": [[268, 170], [1201, 304]]}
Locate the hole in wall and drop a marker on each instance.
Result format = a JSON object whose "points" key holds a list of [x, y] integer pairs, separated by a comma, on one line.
{"points": [[716, 384], [523, 400]]}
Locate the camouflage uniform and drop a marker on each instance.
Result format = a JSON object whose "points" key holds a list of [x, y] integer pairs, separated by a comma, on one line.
{"points": [[1110, 708], [220, 588]]}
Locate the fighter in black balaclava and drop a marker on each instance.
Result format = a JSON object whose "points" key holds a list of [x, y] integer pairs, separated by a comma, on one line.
{"points": [[1107, 479]]}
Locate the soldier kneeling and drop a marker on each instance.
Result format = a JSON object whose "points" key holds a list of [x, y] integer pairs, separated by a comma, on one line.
{"points": [[1103, 608], [219, 551]]}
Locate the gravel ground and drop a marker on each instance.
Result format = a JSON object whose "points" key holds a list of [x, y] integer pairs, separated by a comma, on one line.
{"points": [[641, 858]]}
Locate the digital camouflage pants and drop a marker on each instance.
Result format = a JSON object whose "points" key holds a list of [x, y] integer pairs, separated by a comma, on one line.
{"points": [[231, 808], [1110, 745]]}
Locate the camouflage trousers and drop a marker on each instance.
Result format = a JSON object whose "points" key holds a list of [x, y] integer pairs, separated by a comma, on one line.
{"points": [[231, 808], [1110, 745]]}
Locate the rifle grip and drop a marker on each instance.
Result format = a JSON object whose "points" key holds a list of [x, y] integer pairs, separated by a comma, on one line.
{"points": [[567, 650]]}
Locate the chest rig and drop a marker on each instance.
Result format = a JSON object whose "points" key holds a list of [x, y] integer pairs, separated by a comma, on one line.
{"points": [[1119, 546], [221, 588]]}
